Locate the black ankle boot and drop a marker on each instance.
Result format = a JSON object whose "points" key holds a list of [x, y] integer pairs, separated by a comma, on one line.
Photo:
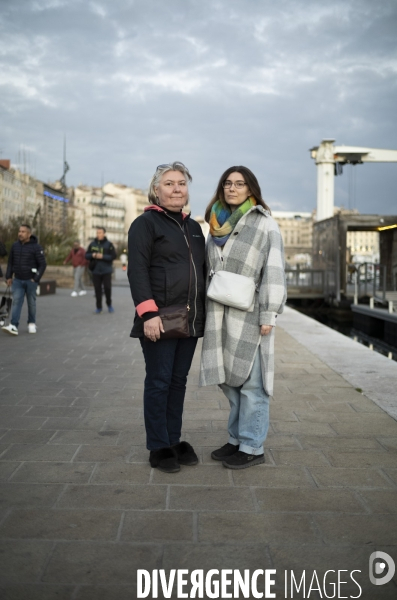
{"points": [[185, 454], [164, 459]]}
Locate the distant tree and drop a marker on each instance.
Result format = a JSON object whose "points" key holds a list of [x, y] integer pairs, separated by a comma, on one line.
{"points": [[56, 245], [9, 232]]}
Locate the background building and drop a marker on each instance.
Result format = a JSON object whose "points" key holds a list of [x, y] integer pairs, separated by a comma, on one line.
{"points": [[134, 201], [363, 246], [296, 229], [54, 207], [330, 244], [114, 206], [203, 224], [18, 194], [100, 209]]}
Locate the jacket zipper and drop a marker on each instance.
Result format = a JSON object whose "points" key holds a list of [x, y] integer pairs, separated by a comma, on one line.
{"points": [[195, 275]]}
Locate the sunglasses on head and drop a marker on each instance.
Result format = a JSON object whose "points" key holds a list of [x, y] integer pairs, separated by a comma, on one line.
{"points": [[180, 164]]}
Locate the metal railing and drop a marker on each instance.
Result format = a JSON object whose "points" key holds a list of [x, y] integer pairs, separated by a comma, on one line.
{"points": [[315, 280], [369, 279]]}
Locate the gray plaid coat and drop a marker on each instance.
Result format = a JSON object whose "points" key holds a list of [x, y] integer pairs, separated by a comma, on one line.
{"points": [[232, 336]]}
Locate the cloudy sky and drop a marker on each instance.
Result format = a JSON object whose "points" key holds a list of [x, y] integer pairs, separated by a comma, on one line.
{"points": [[213, 83]]}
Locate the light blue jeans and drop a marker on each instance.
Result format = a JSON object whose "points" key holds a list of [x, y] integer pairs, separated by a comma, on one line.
{"points": [[78, 273], [20, 287], [249, 411]]}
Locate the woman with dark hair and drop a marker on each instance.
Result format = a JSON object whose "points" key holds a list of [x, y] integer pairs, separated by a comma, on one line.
{"points": [[166, 251], [238, 346]]}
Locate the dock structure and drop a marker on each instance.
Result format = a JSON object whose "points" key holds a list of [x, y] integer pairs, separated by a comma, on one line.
{"points": [[330, 247], [81, 511]]}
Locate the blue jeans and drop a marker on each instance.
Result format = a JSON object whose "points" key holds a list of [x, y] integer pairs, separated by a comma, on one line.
{"points": [[167, 367], [249, 411], [78, 273], [20, 287]]}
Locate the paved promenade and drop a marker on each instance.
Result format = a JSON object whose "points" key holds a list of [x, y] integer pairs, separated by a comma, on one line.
{"points": [[81, 510]]}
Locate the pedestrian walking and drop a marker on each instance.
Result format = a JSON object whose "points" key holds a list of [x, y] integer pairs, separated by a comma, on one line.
{"points": [[166, 250], [3, 253], [124, 259], [26, 265], [244, 253], [77, 257], [101, 254]]}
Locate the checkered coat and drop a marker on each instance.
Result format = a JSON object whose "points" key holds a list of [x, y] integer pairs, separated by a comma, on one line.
{"points": [[232, 336]]}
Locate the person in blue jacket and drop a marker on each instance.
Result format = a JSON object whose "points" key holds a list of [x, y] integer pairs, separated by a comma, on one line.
{"points": [[27, 264], [101, 254]]}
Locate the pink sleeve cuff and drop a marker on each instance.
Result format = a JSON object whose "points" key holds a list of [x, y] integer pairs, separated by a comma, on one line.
{"points": [[147, 306]]}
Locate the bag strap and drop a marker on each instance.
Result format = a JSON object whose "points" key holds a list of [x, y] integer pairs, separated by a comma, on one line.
{"points": [[212, 272], [190, 263]]}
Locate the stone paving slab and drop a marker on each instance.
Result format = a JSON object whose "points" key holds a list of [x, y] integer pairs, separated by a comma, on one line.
{"points": [[81, 510]]}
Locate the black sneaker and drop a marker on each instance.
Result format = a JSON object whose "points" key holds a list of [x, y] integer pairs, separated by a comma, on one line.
{"points": [[242, 460], [164, 459], [185, 454], [224, 452]]}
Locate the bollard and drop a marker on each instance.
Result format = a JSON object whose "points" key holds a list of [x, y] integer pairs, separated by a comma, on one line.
{"points": [[355, 289]]}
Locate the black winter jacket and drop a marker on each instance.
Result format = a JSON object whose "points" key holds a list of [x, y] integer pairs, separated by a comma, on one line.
{"points": [[102, 265], [3, 252], [24, 258], [158, 267]]}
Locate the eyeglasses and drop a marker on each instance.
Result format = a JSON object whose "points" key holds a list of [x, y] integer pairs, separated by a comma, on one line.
{"points": [[180, 164], [237, 184]]}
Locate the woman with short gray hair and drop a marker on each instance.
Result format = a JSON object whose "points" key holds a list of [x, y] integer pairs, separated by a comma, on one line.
{"points": [[158, 174], [166, 251]]}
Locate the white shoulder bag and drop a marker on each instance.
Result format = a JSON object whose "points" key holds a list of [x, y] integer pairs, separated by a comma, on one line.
{"points": [[232, 290]]}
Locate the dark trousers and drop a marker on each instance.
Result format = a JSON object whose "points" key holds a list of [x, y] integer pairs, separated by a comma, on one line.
{"points": [[167, 367], [106, 281]]}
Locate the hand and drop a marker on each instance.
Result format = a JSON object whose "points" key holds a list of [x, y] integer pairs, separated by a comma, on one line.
{"points": [[266, 329], [98, 255], [9, 281], [152, 328]]}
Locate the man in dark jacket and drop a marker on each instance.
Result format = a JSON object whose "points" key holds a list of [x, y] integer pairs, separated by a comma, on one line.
{"points": [[3, 253], [101, 254], [27, 264]]}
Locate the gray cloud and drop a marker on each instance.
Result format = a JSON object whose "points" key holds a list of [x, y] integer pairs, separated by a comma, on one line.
{"points": [[137, 83]]}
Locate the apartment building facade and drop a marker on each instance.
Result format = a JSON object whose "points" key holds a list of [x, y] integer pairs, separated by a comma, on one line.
{"points": [[134, 201], [296, 229], [99, 209], [113, 206], [54, 207], [21, 195], [18, 193], [363, 246]]}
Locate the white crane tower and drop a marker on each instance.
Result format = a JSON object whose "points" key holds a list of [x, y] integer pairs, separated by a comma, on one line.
{"points": [[327, 156]]}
